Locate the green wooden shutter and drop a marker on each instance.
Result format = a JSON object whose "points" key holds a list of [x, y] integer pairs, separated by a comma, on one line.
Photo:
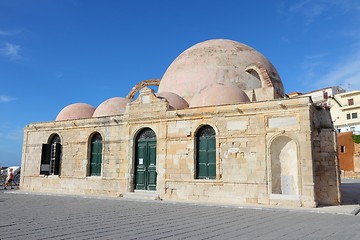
{"points": [[202, 172], [211, 155], [151, 154], [141, 162], [99, 157]]}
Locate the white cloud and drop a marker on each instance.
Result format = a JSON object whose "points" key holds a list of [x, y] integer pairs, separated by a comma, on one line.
{"points": [[12, 51], [4, 98]]}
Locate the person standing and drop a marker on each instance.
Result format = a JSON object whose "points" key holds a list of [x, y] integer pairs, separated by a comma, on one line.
{"points": [[9, 178]]}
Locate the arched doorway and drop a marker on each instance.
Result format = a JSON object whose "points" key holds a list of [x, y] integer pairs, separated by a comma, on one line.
{"points": [[145, 160], [284, 166], [206, 153]]}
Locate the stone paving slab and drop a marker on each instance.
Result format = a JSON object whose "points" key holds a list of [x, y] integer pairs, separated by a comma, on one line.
{"points": [[39, 216]]}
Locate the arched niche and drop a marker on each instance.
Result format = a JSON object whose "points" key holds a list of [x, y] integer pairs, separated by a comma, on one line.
{"points": [[284, 166]]}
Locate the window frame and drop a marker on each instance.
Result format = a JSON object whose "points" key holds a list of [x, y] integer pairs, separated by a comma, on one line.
{"points": [[205, 159], [95, 155], [342, 148], [51, 156]]}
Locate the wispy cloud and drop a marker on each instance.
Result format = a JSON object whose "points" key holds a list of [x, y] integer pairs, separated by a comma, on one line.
{"points": [[308, 9], [4, 98], [15, 134], [4, 33], [9, 32], [12, 51], [59, 75], [345, 74]]}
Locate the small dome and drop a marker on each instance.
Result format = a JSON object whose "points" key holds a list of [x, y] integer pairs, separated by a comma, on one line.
{"points": [[218, 61], [219, 94], [76, 111], [110, 107], [174, 100]]}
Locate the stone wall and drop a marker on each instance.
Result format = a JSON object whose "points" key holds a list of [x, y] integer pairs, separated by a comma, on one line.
{"points": [[326, 165], [245, 135]]}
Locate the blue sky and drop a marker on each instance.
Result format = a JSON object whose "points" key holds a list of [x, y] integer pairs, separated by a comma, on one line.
{"points": [[57, 52]]}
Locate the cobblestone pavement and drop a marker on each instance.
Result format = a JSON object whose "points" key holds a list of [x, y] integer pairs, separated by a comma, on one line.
{"points": [[35, 216]]}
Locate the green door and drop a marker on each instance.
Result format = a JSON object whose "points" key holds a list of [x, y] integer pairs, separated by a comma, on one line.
{"points": [[206, 153], [145, 160]]}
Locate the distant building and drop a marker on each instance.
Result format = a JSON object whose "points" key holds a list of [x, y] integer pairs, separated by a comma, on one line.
{"points": [[323, 96], [344, 106], [219, 129], [349, 155], [345, 111], [294, 94]]}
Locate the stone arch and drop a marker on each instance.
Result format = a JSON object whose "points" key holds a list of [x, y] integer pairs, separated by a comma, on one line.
{"points": [[54, 138], [261, 72], [284, 169], [204, 124], [140, 85]]}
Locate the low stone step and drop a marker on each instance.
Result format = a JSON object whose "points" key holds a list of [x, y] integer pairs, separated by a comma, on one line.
{"points": [[142, 195]]}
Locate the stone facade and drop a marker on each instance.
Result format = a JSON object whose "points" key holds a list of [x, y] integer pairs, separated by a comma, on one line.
{"points": [[275, 152]]}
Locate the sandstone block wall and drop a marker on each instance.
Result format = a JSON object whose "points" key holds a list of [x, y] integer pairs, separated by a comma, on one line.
{"points": [[245, 135]]}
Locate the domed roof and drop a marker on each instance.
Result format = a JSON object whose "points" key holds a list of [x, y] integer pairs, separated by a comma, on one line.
{"points": [[219, 94], [219, 61], [76, 111], [112, 106], [174, 100]]}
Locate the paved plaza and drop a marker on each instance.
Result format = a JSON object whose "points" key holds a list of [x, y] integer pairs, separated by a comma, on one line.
{"points": [[40, 216]]}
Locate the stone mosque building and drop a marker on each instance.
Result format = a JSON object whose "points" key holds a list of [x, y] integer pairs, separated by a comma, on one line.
{"points": [[220, 129]]}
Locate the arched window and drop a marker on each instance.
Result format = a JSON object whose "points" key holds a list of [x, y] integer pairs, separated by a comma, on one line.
{"points": [[51, 156], [96, 155], [206, 153]]}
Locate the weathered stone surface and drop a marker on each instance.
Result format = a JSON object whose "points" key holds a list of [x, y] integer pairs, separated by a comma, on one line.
{"points": [[251, 154]]}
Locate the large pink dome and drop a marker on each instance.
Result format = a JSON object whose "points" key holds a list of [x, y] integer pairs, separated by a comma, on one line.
{"points": [[174, 100], [111, 107], [219, 94], [76, 111], [218, 61]]}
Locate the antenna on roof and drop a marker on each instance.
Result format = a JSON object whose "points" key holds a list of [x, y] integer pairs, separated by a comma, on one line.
{"points": [[349, 86]]}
